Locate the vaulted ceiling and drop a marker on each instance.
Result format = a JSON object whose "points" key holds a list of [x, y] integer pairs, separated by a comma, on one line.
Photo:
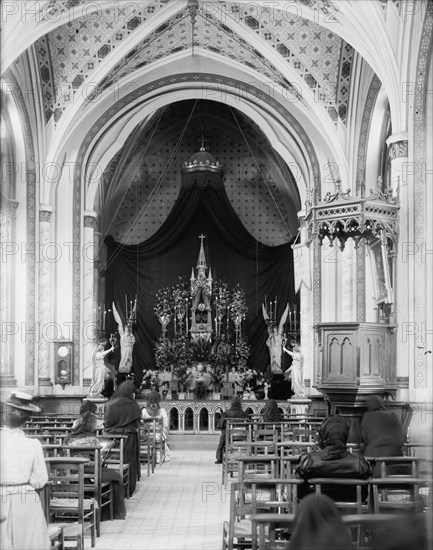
{"points": [[282, 74]]}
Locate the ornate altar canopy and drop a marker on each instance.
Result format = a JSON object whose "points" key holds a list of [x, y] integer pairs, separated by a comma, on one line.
{"points": [[201, 208]]}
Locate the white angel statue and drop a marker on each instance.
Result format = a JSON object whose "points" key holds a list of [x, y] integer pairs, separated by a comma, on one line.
{"points": [[100, 370], [296, 370], [275, 339], [127, 341]]}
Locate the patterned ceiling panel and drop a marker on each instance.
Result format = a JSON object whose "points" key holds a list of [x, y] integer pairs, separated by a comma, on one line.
{"points": [[73, 51], [210, 34], [250, 180], [313, 51], [78, 47]]}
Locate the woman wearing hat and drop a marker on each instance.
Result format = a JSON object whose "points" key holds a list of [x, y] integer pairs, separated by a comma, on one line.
{"points": [[23, 471]]}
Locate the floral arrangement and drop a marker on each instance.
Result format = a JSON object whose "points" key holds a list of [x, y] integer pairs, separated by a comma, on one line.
{"points": [[162, 352], [238, 305], [202, 350], [180, 294], [164, 303], [221, 294], [181, 356], [150, 378], [241, 352]]}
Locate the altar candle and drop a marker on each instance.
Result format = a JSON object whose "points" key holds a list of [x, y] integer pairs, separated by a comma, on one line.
{"points": [[266, 305], [175, 309], [275, 312], [103, 323], [126, 307]]}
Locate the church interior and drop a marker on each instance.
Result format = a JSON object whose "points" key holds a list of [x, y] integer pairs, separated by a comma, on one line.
{"points": [[204, 177]]}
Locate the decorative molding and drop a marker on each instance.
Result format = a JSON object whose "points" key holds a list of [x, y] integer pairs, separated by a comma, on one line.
{"points": [[360, 282], [31, 209], [402, 382], [419, 194], [398, 149], [365, 132]]}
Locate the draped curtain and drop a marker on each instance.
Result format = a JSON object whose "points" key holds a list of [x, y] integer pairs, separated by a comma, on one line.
{"points": [[231, 252]]}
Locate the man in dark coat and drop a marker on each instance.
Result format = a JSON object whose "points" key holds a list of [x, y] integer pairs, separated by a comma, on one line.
{"points": [[333, 460], [233, 412]]}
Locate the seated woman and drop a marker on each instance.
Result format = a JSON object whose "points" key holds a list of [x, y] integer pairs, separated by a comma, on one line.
{"points": [[381, 434], [88, 407], [122, 416], [271, 412], [151, 410], [333, 460], [84, 435]]}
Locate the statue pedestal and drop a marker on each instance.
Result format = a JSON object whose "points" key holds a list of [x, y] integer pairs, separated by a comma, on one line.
{"points": [[299, 405]]}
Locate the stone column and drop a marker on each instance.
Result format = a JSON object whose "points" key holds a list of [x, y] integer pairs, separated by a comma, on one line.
{"points": [[7, 291], [47, 255], [398, 156], [89, 331]]}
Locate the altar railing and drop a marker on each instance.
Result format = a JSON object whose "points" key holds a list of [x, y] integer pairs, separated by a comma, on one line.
{"points": [[201, 417]]}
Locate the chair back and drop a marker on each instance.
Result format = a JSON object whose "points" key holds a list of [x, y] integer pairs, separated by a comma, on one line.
{"points": [[348, 494]]}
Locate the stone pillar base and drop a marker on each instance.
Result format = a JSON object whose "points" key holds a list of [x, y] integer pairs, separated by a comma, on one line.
{"points": [[299, 405], [8, 381], [45, 381]]}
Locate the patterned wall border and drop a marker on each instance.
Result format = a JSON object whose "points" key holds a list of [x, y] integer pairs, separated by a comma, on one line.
{"points": [[30, 227], [365, 131], [360, 188], [425, 52], [244, 89]]}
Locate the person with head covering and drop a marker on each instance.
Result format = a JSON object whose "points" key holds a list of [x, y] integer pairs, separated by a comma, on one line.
{"points": [[91, 407], [23, 472], [271, 412], [122, 416], [233, 412], [84, 435], [333, 459], [318, 526], [153, 409], [381, 434]]}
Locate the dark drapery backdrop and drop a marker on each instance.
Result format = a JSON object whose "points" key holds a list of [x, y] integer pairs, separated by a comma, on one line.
{"points": [[231, 252]]}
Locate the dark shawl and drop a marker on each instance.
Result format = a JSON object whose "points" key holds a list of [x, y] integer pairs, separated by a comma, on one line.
{"points": [[122, 414], [271, 412]]}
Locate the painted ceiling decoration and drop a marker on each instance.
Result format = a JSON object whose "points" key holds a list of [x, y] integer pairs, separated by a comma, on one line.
{"points": [[146, 188], [69, 55]]}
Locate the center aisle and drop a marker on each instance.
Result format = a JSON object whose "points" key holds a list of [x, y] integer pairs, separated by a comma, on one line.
{"points": [[181, 506]]}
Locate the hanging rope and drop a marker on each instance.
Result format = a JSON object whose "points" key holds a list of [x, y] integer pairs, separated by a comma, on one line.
{"points": [[155, 187], [261, 173]]}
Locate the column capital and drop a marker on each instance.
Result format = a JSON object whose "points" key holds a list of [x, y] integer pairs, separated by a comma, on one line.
{"points": [[90, 219], [45, 213], [397, 145]]}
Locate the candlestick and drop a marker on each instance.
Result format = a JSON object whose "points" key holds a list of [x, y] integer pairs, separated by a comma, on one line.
{"points": [[266, 305], [275, 312], [104, 319], [126, 307]]}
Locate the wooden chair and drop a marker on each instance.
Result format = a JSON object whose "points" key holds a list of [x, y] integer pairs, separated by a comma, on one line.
{"points": [[66, 497], [355, 492], [155, 431], [114, 458], [147, 448], [94, 487], [269, 525], [397, 494], [391, 465], [364, 527], [237, 531], [237, 433]]}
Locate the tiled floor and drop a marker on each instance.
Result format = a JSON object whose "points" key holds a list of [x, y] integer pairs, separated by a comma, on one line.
{"points": [[181, 506]]}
